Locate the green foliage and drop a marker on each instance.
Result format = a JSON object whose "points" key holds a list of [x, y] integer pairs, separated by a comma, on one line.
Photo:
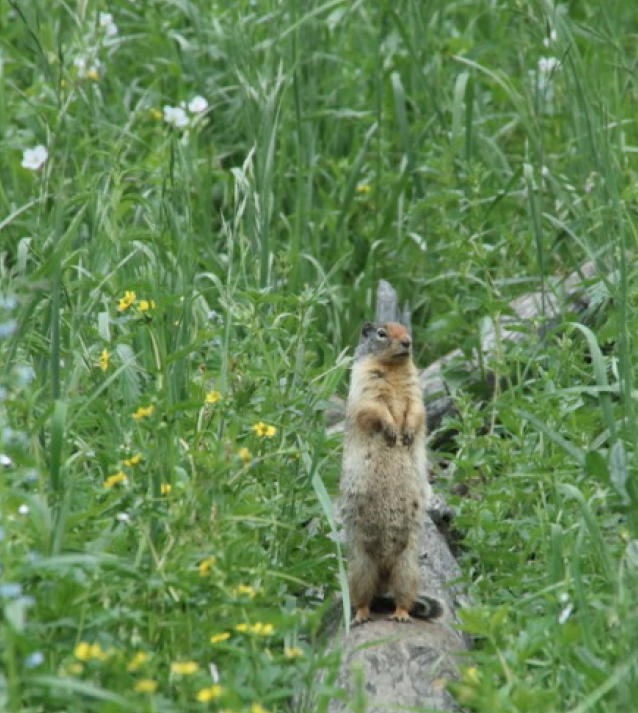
{"points": [[208, 264]]}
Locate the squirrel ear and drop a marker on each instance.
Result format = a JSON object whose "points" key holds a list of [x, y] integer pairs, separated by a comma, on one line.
{"points": [[367, 328]]}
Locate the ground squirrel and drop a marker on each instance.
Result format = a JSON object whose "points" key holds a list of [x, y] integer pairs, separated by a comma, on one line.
{"points": [[384, 486]]}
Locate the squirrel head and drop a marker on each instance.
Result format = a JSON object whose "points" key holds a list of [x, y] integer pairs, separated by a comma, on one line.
{"points": [[388, 341]]}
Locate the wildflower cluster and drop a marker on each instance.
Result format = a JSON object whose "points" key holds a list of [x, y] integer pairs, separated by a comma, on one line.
{"points": [[86, 652], [146, 685], [257, 628], [219, 638], [143, 412], [244, 589], [104, 360], [205, 566], [176, 115], [140, 658], [33, 159], [292, 652], [184, 668], [209, 694], [133, 460], [116, 479], [263, 429], [129, 300]]}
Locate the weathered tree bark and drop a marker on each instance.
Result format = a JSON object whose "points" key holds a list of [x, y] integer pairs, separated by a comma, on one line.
{"points": [[407, 665]]}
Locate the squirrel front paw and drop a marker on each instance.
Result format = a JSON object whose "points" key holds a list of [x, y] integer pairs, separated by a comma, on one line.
{"points": [[407, 437], [390, 433]]}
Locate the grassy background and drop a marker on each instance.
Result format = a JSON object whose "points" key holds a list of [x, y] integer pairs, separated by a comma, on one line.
{"points": [[467, 151]]}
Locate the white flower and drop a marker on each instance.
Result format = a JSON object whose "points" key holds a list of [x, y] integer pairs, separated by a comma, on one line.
{"points": [[551, 39], [23, 509], [106, 21], [80, 64], [85, 70], [176, 116], [197, 105], [565, 614], [547, 64], [123, 517], [33, 159], [5, 460]]}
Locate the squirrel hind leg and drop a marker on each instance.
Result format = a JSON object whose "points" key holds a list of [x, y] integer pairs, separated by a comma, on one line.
{"points": [[404, 584], [363, 579], [361, 616]]}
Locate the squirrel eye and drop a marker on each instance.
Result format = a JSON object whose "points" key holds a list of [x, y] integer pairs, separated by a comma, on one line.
{"points": [[381, 333]]}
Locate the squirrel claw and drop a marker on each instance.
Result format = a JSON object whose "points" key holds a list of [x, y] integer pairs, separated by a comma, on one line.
{"points": [[362, 615], [408, 438], [390, 435], [402, 615]]}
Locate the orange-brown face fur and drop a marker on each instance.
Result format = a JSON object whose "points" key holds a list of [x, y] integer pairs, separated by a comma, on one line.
{"points": [[389, 342]]}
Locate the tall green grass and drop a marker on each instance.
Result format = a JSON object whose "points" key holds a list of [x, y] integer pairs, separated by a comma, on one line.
{"points": [[467, 151]]}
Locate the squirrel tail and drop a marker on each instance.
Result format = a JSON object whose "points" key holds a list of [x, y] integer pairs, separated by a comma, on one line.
{"points": [[424, 607]]}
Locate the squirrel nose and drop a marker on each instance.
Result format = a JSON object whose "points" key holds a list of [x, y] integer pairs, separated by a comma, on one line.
{"points": [[405, 342]]}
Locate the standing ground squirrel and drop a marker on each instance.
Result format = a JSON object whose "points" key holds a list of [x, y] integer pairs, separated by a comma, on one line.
{"points": [[384, 485]]}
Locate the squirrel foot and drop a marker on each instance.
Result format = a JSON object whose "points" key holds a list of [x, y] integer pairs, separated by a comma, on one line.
{"points": [[362, 615], [402, 615]]}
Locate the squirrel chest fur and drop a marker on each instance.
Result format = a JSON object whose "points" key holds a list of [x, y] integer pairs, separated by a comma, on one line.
{"points": [[384, 487]]}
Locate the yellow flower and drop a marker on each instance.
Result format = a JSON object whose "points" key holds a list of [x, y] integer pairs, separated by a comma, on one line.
{"points": [[146, 685], [244, 454], [244, 589], [184, 668], [165, 488], [140, 658], [263, 629], [218, 638], [127, 300], [256, 708], [134, 460], [209, 694], [263, 429], [117, 479], [212, 397], [82, 651], [96, 652], [104, 360], [471, 674], [292, 652], [241, 627], [363, 189], [143, 412], [205, 565], [156, 114], [92, 74]]}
